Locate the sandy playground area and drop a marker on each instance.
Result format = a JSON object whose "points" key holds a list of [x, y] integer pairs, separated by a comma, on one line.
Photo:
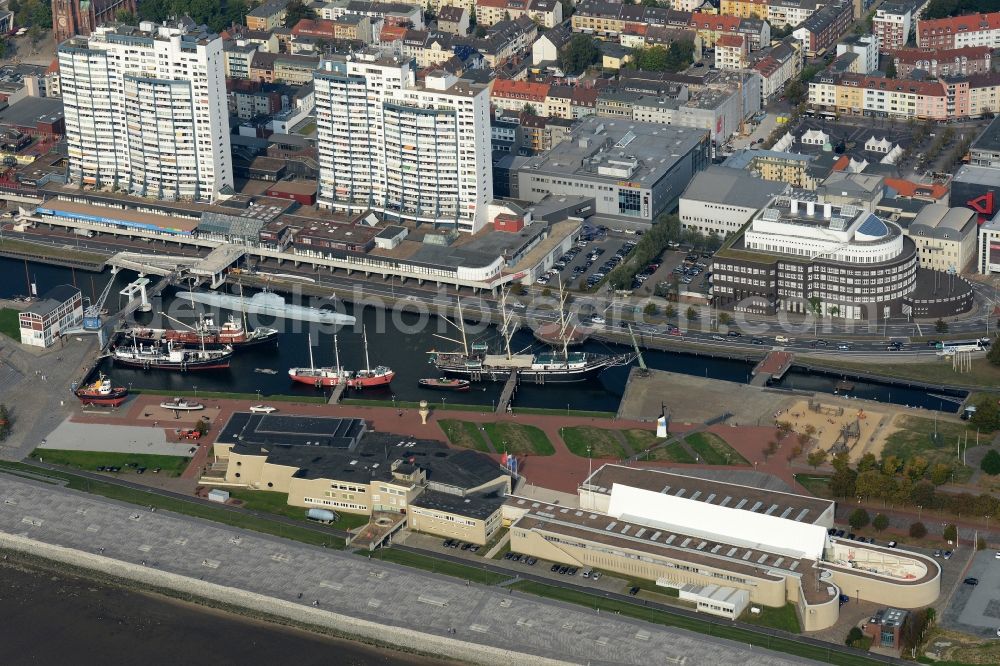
{"points": [[840, 422]]}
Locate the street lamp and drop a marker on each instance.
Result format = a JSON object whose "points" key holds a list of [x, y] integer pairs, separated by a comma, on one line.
{"points": [[258, 394], [920, 510], [195, 391]]}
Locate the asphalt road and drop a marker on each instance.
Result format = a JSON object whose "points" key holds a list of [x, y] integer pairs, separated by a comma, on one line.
{"points": [[538, 309]]}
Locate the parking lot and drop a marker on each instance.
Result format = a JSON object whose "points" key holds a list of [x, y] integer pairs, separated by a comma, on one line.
{"points": [[591, 259], [975, 605]]}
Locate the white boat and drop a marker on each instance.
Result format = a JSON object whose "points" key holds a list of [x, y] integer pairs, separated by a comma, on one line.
{"points": [[182, 404], [265, 371], [267, 303], [262, 409]]}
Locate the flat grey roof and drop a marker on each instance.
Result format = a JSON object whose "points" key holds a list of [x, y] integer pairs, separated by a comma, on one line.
{"points": [[735, 187], [990, 138], [977, 175], [595, 141], [30, 110]]}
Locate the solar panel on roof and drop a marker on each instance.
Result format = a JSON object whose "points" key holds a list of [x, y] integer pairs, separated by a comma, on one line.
{"points": [[639, 534], [611, 526], [772, 509], [761, 559], [626, 529], [795, 565], [747, 555], [701, 546], [680, 493], [685, 542], [710, 498], [670, 539], [756, 506], [730, 553], [779, 561], [696, 495], [786, 512], [740, 505], [656, 535], [716, 548], [665, 489], [726, 501], [802, 514]]}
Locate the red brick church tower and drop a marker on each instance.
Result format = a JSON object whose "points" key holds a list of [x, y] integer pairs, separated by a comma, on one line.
{"points": [[80, 17]]}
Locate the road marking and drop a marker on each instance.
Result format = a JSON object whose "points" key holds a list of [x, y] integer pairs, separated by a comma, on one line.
{"points": [[180, 541], [374, 603], [145, 548], [93, 528], [281, 557], [211, 564], [603, 640], [481, 628], [433, 601], [524, 622], [332, 585], [35, 522]]}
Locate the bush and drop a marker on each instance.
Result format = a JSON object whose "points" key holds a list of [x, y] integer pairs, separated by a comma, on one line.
{"points": [[950, 533], [918, 530], [859, 518], [854, 636], [880, 522], [991, 462]]}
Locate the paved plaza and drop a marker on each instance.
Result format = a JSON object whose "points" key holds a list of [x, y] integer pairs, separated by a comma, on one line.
{"points": [[975, 609], [350, 584], [73, 436]]}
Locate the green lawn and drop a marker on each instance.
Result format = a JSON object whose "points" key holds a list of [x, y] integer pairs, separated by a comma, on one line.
{"points": [[641, 440], [740, 635], [406, 558], [464, 434], [938, 371], [519, 439], [91, 460], [784, 618], [277, 503], [194, 508], [564, 412], [713, 450], [595, 442], [403, 404], [9, 325], [916, 438], [817, 484]]}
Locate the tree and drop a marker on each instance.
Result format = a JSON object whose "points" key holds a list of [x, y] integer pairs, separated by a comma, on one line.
{"points": [[890, 69], [872, 483], [650, 3], [816, 458], [940, 474], [923, 494], [941, 326], [859, 518], [691, 313], [580, 53], [880, 522], [529, 109], [650, 59], [991, 462], [650, 309], [795, 92], [125, 16], [918, 530], [201, 427], [670, 312], [803, 439], [993, 355], [725, 319], [295, 11], [842, 483], [867, 463], [950, 533], [987, 414], [854, 637]]}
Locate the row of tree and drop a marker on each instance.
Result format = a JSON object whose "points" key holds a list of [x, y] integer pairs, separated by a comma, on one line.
{"points": [[583, 51], [216, 14]]}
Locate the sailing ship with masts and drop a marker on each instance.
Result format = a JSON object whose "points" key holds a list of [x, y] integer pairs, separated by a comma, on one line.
{"points": [[380, 375], [555, 366]]}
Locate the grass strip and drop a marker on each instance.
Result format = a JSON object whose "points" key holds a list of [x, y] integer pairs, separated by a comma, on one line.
{"points": [[464, 434], [409, 404], [519, 439], [714, 450], [746, 636], [9, 323], [188, 508], [564, 412], [434, 565], [128, 462], [587, 441]]}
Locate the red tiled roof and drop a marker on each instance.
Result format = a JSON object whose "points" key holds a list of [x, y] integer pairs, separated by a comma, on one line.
{"points": [[714, 22], [957, 24], [912, 55], [313, 27], [392, 33], [908, 188], [733, 41], [536, 92], [841, 163]]}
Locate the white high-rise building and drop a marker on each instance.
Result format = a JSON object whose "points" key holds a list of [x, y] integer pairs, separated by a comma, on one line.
{"points": [[417, 153], [146, 110]]}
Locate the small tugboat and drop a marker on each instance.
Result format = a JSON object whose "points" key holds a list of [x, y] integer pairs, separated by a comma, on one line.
{"points": [[169, 357], [445, 384], [324, 377], [102, 392], [182, 405]]}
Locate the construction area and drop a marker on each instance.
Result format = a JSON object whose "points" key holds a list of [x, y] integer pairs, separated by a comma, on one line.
{"points": [[842, 424]]}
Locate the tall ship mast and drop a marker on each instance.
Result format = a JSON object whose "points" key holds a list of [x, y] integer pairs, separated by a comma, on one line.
{"points": [[333, 376], [558, 366]]}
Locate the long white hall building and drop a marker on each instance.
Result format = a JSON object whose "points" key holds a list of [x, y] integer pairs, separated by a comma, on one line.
{"points": [[145, 110], [413, 152]]}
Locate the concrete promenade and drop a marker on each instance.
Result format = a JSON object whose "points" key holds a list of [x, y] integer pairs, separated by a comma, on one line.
{"points": [[346, 592]]}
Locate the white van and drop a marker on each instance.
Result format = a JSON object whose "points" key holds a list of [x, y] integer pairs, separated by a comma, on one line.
{"points": [[781, 339]]}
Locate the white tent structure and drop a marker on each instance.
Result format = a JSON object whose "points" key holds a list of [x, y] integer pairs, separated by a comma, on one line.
{"points": [[709, 521]]}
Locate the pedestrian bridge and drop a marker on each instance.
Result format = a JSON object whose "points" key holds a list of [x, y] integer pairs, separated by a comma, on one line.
{"points": [[211, 267]]}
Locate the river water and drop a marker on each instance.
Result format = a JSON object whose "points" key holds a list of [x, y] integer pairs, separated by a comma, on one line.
{"points": [[401, 341], [50, 617]]}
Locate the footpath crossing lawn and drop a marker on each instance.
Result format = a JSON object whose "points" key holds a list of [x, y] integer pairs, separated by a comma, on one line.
{"points": [[464, 434], [713, 450], [519, 439], [641, 440], [587, 441]]}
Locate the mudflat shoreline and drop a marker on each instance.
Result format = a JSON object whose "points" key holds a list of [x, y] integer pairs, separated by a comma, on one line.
{"points": [[54, 613]]}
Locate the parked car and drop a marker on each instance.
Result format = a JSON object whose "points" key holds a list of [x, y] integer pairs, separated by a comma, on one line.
{"points": [[971, 581], [634, 591], [782, 339]]}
